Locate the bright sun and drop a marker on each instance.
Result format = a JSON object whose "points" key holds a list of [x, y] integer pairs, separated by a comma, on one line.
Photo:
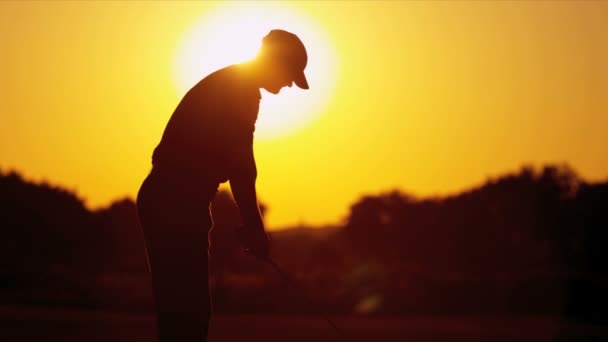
{"points": [[232, 34]]}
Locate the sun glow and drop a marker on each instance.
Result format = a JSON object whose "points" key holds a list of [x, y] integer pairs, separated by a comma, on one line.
{"points": [[233, 33]]}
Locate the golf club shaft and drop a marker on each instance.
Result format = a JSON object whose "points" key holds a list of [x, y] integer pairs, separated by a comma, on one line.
{"points": [[288, 279]]}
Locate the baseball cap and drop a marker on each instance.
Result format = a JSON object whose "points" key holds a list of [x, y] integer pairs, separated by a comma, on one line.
{"points": [[290, 49]]}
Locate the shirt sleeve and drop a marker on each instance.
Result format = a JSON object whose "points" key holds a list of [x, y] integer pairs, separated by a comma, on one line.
{"points": [[241, 166], [239, 141]]}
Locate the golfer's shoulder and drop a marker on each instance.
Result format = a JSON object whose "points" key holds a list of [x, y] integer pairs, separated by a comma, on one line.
{"points": [[227, 86], [237, 85]]}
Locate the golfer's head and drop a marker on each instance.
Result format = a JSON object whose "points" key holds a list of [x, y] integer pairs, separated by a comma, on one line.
{"points": [[284, 57]]}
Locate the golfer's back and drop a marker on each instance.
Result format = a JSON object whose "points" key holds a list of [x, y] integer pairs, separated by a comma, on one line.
{"points": [[215, 118]]}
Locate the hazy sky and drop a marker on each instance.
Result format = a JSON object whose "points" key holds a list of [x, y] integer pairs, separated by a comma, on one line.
{"points": [[427, 97]]}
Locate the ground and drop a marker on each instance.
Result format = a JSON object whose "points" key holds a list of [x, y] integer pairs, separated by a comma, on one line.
{"points": [[29, 324]]}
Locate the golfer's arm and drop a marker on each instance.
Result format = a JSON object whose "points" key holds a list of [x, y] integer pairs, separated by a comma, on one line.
{"points": [[242, 179]]}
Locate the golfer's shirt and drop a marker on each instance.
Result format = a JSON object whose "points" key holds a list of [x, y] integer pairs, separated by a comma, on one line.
{"points": [[210, 134]]}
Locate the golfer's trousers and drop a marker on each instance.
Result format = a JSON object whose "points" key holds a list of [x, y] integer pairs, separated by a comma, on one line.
{"points": [[175, 219]]}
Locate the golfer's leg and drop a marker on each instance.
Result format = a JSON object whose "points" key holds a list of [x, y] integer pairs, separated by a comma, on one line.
{"points": [[183, 308], [181, 293], [179, 263], [175, 223]]}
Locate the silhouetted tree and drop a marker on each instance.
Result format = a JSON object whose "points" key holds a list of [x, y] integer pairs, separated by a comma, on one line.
{"points": [[516, 242], [122, 247], [42, 226]]}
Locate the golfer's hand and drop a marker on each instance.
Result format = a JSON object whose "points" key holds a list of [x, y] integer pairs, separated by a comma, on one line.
{"points": [[254, 241]]}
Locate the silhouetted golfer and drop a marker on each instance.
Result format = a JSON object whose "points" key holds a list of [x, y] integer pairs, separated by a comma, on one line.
{"points": [[208, 141]]}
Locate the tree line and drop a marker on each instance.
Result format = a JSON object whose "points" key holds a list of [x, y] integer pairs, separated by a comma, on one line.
{"points": [[530, 241]]}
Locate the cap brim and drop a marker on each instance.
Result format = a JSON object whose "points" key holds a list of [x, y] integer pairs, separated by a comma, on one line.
{"points": [[300, 80]]}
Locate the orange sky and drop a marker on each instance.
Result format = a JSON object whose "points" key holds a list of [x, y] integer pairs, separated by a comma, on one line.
{"points": [[428, 97]]}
